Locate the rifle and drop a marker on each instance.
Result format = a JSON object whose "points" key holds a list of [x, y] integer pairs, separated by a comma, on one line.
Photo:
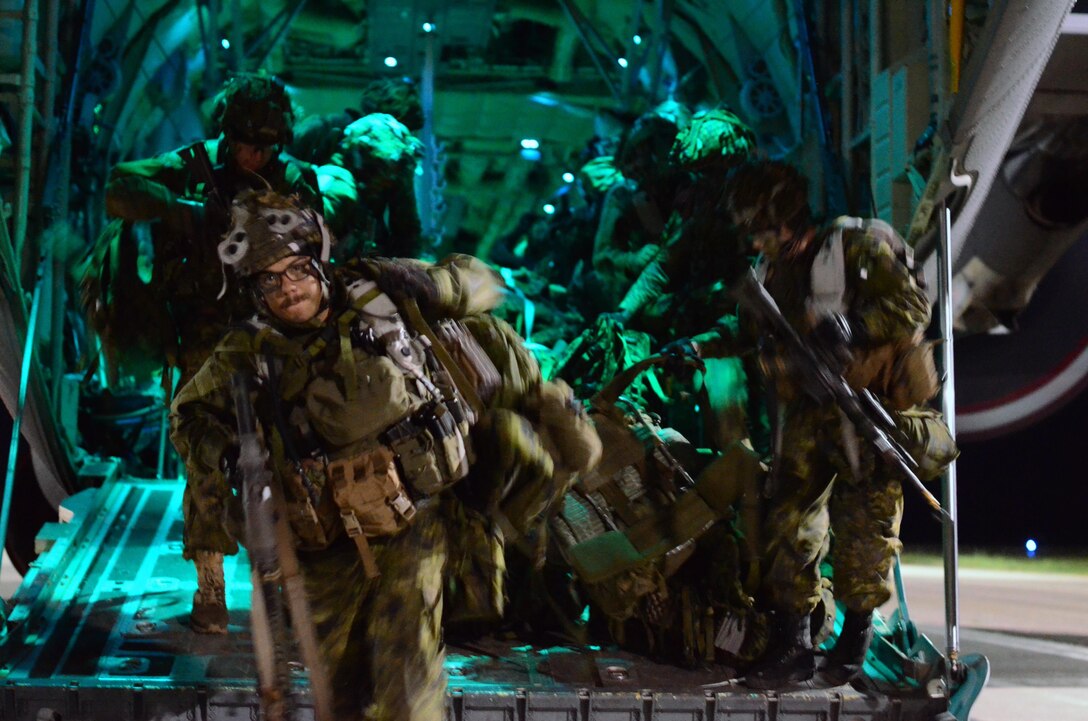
{"points": [[869, 417], [275, 575], [200, 165]]}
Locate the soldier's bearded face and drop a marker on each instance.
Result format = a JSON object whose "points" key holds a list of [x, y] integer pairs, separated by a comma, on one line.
{"points": [[294, 301], [251, 157]]}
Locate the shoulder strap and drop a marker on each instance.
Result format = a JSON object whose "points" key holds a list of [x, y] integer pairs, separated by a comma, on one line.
{"points": [[828, 275]]}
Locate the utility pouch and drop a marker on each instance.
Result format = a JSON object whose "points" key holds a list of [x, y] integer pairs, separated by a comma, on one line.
{"points": [[369, 493], [301, 513], [431, 448]]}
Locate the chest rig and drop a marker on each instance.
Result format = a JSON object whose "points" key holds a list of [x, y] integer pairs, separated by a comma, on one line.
{"points": [[373, 415]]}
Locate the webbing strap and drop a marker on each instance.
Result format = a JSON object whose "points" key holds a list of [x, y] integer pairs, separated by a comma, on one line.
{"points": [[466, 389], [370, 564], [354, 529], [345, 366]]}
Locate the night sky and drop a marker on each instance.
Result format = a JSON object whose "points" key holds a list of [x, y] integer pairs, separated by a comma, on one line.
{"points": [[1028, 484]]}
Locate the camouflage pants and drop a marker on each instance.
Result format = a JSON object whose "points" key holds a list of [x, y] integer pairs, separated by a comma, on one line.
{"points": [[207, 526], [381, 638], [817, 497]]}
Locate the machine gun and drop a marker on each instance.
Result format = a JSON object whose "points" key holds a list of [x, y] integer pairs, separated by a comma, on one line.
{"points": [[275, 574], [862, 409]]}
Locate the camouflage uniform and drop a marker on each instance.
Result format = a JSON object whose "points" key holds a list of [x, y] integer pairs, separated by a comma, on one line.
{"points": [[396, 666], [684, 289], [816, 489], [190, 279], [332, 391], [188, 270]]}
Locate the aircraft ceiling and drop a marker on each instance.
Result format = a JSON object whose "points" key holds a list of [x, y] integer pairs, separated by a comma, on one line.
{"points": [[504, 71]]}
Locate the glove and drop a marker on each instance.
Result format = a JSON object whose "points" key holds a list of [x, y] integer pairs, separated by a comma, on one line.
{"points": [[403, 280], [682, 355]]}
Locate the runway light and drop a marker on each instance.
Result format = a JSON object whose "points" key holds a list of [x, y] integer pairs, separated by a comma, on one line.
{"points": [[549, 208], [530, 143], [637, 39], [1031, 547], [428, 27], [390, 62], [568, 177], [622, 62], [225, 43]]}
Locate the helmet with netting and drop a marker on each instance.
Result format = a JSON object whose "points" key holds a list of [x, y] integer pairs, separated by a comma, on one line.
{"points": [[379, 150], [398, 97], [266, 227], [256, 109], [712, 137]]}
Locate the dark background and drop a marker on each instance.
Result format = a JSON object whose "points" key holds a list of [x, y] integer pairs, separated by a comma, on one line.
{"points": [[1028, 484]]}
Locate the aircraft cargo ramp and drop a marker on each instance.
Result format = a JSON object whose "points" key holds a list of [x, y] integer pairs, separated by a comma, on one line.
{"points": [[98, 631]]}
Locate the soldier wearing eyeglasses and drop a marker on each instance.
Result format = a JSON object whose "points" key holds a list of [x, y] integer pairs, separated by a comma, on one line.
{"points": [[370, 418]]}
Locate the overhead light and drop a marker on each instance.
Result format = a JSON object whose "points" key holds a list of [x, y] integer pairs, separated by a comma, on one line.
{"points": [[568, 177], [225, 43], [530, 143], [637, 39], [549, 208], [390, 62], [622, 62], [428, 27]]}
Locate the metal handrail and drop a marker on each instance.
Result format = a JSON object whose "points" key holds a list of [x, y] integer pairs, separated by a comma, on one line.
{"points": [[950, 538]]}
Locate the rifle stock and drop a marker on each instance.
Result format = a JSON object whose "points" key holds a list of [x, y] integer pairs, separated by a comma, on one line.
{"points": [[869, 417]]}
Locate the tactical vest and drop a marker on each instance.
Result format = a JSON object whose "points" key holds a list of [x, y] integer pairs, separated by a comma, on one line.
{"points": [[372, 414]]}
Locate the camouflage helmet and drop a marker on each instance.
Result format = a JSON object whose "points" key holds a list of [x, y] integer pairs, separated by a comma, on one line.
{"points": [[382, 138], [379, 150], [716, 135], [255, 109], [599, 175], [266, 227], [763, 195], [644, 150], [398, 97]]}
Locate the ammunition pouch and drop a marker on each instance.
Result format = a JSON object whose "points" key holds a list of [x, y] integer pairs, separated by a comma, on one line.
{"points": [[432, 446], [369, 494], [366, 489]]}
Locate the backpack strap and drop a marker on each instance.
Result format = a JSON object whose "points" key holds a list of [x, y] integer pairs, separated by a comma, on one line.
{"points": [[828, 275]]}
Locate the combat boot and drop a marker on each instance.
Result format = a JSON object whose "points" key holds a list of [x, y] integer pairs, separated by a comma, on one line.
{"points": [[210, 600], [789, 658], [843, 663]]}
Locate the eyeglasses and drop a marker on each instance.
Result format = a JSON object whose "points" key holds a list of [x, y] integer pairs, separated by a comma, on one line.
{"points": [[269, 281]]}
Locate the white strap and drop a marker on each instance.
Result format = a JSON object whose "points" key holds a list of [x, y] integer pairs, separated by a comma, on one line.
{"points": [[829, 271]]}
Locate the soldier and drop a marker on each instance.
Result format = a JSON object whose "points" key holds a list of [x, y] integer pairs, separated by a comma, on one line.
{"points": [[373, 150], [634, 211], [255, 115], [850, 288], [684, 289], [190, 203], [368, 423]]}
